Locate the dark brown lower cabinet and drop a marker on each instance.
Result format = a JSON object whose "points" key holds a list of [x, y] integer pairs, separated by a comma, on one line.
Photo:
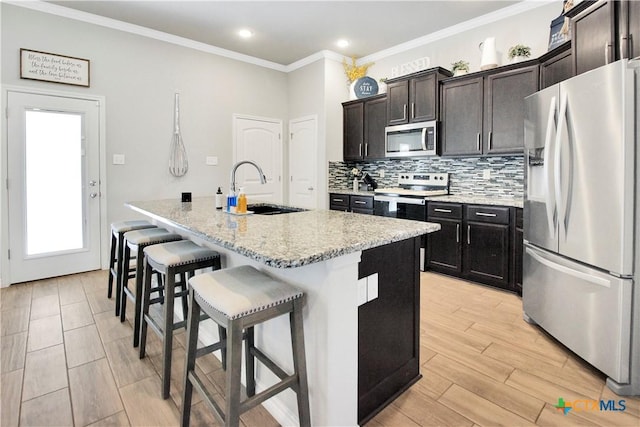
{"points": [[518, 251], [389, 326], [475, 242]]}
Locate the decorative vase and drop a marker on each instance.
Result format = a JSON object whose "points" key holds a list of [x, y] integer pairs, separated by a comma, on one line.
{"points": [[355, 184], [489, 55], [352, 91]]}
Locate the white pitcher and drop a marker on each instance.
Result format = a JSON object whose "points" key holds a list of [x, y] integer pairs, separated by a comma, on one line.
{"points": [[489, 57]]}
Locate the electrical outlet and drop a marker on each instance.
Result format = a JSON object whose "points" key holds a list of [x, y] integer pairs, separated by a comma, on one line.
{"points": [[118, 159], [211, 160], [486, 174], [382, 173]]}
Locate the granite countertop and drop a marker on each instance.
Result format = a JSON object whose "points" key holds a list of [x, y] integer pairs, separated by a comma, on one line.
{"points": [[471, 199], [287, 240]]}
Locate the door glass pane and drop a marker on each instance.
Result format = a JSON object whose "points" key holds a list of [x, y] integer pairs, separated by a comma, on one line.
{"points": [[53, 191]]}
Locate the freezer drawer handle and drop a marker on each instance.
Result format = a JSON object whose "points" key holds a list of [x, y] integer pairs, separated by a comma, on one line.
{"points": [[442, 210], [570, 271], [492, 215]]}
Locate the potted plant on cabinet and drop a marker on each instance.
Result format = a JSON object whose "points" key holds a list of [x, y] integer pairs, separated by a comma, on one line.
{"points": [[460, 67], [519, 52]]}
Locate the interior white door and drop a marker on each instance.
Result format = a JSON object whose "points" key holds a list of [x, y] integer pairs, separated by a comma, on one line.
{"points": [[53, 185], [259, 140], [303, 168]]}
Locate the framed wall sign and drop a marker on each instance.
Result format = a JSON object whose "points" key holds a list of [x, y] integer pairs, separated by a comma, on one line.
{"points": [[365, 87], [50, 67]]}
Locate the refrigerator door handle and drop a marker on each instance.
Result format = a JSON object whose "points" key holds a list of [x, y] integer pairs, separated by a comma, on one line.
{"points": [[567, 270], [558, 166], [550, 205]]}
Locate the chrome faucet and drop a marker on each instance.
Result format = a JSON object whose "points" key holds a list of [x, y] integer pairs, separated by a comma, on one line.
{"points": [[263, 179]]}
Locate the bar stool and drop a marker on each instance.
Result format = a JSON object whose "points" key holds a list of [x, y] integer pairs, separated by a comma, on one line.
{"points": [[136, 241], [240, 298], [170, 259], [117, 249]]}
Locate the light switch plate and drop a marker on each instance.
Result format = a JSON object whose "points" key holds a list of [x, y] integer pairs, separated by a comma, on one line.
{"points": [[118, 159], [486, 174], [211, 160]]}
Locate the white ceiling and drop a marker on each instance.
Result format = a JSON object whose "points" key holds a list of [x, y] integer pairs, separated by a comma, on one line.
{"points": [[288, 31]]}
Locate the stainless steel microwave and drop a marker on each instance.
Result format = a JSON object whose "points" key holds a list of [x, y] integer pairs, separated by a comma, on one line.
{"points": [[412, 140]]}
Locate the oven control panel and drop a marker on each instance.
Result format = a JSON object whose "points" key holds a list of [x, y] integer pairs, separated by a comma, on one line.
{"points": [[426, 179]]}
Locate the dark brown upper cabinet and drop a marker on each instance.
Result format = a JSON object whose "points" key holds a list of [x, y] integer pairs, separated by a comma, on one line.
{"points": [[484, 114], [556, 65], [363, 128], [414, 99]]}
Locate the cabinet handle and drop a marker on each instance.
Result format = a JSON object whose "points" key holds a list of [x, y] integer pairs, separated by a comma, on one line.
{"points": [[404, 112], [607, 53], [492, 215], [360, 150], [366, 149], [338, 200], [442, 210], [359, 202], [624, 46], [478, 140], [468, 234], [457, 233], [490, 140], [413, 110]]}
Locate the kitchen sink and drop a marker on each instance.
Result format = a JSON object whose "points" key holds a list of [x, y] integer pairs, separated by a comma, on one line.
{"points": [[266, 209]]}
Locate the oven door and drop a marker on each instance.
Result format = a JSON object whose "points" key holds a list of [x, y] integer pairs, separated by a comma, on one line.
{"points": [[401, 207]]}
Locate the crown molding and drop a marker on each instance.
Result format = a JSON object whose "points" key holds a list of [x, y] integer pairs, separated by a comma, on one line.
{"points": [[516, 9], [41, 6]]}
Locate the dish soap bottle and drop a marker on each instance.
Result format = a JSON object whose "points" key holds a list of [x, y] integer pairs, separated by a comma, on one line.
{"points": [[242, 202], [219, 198], [231, 202]]}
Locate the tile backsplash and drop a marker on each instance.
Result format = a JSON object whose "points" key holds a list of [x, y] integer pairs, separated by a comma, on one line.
{"points": [[506, 173]]}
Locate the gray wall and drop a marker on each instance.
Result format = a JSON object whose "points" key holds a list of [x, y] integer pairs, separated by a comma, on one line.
{"points": [[139, 76]]}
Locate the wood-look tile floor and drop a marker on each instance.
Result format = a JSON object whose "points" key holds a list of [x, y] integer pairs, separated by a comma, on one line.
{"points": [[66, 360]]}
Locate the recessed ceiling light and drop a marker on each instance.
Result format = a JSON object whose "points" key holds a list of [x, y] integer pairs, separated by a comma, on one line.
{"points": [[342, 43], [245, 34]]}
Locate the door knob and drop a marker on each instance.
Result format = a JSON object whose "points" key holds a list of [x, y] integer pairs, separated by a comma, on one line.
{"points": [[93, 195], [310, 188], [92, 183]]}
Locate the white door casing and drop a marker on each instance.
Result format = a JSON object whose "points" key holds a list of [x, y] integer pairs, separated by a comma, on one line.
{"points": [[303, 167], [35, 216], [260, 140]]}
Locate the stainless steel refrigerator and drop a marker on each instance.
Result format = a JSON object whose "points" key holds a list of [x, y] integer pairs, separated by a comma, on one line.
{"points": [[580, 267]]}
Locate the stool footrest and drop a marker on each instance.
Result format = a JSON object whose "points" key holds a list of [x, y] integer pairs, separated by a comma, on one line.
{"points": [[158, 329], [211, 348], [199, 386], [257, 399], [269, 363]]}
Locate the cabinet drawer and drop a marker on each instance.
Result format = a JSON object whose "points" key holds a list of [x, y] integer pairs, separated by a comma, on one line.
{"points": [[361, 202], [339, 200], [493, 214], [444, 210]]}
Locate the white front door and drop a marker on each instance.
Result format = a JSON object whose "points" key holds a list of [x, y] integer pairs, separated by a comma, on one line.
{"points": [[259, 140], [53, 185], [303, 147]]}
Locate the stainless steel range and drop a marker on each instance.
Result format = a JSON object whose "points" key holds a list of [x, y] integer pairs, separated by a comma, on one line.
{"points": [[407, 200]]}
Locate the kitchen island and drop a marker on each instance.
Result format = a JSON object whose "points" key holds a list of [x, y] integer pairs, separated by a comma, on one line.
{"points": [[361, 277]]}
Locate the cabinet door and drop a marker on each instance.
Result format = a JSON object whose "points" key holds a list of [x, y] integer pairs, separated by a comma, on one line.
{"points": [[444, 249], [630, 31], [504, 111], [353, 131], [593, 38], [556, 69], [422, 98], [375, 120], [462, 117], [397, 98], [486, 252]]}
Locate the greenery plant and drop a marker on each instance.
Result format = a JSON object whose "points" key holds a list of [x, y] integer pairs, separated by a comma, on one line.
{"points": [[519, 50], [460, 65]]}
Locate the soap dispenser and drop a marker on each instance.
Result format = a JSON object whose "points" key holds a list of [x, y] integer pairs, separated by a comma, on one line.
{"points": [[219, 199], [242, 202]]}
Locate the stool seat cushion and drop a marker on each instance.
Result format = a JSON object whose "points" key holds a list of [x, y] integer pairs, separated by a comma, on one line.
{"points": [[240, 291], [124, 226], [179, 253], [150, 236]]}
